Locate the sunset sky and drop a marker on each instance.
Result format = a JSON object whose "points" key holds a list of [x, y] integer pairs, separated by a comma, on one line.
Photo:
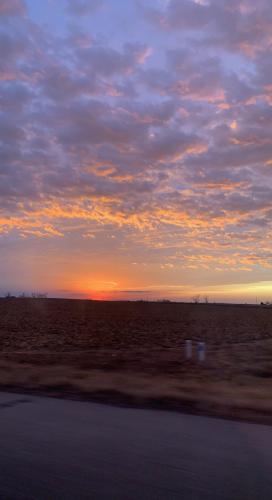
{"points": [[136, 148]]}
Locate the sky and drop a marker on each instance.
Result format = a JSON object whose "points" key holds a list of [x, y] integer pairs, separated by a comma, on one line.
{"points": [[136, 151]]}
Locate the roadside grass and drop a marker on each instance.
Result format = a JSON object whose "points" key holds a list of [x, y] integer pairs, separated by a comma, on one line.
{"points": [[246, 396]]}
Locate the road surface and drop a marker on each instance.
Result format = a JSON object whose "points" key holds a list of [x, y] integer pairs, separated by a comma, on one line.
{"points": [[56, 449]]}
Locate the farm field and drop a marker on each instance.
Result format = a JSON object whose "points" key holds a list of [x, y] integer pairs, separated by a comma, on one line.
{"points": [[133, 353]]}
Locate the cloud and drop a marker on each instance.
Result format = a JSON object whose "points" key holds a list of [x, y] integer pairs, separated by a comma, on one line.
{"points": [[106, 133], [106, 61], [12, 47], [12, 8], [83, 7], [14, 96], [235, 25]]}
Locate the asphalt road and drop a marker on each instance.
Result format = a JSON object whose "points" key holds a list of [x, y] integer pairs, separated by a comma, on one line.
{"points": [[56, 449]]}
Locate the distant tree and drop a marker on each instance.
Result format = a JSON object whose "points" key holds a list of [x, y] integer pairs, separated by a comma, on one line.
{"points": [[196, 299], [39, 295], [206, 299]]}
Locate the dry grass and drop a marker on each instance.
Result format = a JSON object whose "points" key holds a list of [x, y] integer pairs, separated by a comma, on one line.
{"points": [[250, 401]]}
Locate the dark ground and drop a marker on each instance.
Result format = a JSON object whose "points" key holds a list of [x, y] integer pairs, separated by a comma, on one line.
{"points": [[134, 351]]}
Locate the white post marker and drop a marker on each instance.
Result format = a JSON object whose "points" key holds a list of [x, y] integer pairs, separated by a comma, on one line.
{"points": [[188, 349], [201, 351]]}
